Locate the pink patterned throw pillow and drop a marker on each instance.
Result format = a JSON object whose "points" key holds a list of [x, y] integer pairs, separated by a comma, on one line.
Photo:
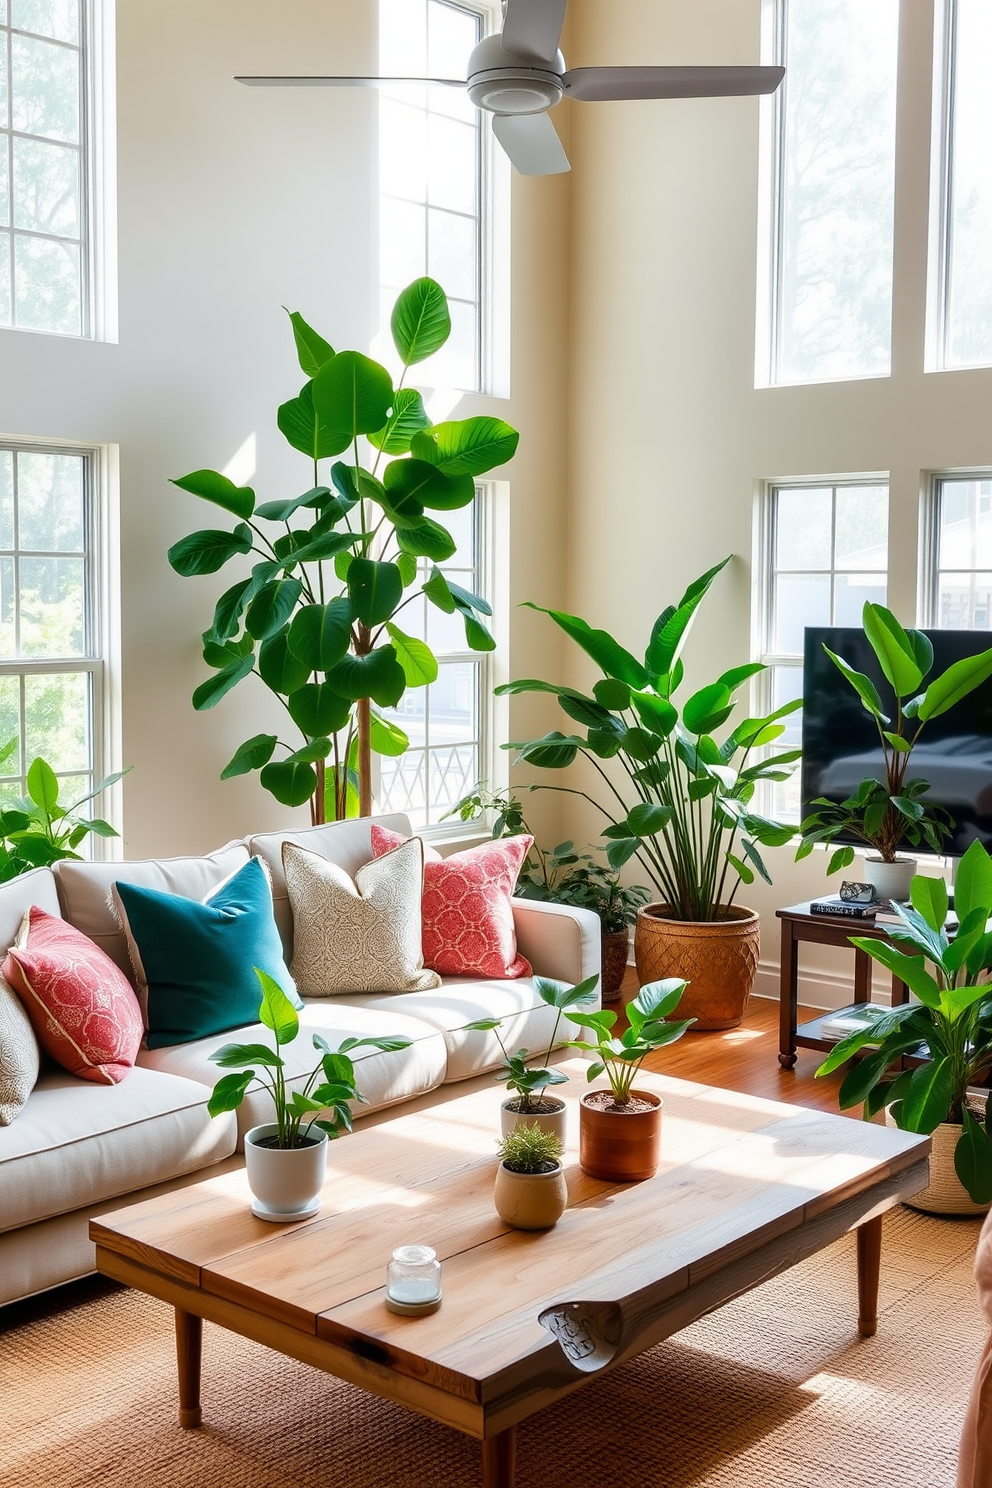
{"points": [[468, 918], [82, 1007]]}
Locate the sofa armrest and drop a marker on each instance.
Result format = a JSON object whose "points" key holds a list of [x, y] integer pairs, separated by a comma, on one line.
{"points": [[557, 940]]}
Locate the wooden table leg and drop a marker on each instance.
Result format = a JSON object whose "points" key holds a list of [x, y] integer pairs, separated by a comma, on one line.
{"points": [[788, 993], [499, 1458], [869, 1260], [189, 1340]]}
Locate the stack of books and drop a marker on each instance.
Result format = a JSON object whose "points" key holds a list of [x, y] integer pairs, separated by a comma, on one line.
{"points": [[844, 909]]}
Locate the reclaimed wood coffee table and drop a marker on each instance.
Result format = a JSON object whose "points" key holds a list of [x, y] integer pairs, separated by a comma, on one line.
{"points": [[747, 1188]]}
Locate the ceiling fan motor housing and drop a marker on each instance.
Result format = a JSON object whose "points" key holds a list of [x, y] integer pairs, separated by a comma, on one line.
{"points": [[504, 83]]}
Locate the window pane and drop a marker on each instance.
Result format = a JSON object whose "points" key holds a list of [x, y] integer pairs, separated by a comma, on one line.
{"points": [[802, 534], [452, 247], [56, 720], [402, 151], [46, 188], [852, 592], [10, 721], [800, 600], [963, 601], [8, 610], [4, 279], [52, 607], [451, 172], [56, 18], [402, 245], [403, 38], [6, 499], [47, 289], [862, 534], [455, 365], [4, 190], [44, 89], [968, 314], [50, 502], [453, 774], [965, 540], [834, 291]]}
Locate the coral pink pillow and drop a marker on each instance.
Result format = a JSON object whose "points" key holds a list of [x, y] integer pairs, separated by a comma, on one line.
{"points": [[468, 919], [82, 1007]]}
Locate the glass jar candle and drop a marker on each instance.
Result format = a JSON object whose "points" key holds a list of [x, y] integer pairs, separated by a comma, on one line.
{"points": [[413, 1281]]}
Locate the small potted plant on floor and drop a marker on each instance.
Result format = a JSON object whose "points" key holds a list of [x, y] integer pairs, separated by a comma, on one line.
{"points": [[892, 812], [949, 1029], [286, 1158], [529, 1102], [620, 1128], [530, 1182]]}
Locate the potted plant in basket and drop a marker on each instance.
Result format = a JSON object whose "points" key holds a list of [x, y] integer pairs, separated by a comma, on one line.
{"points": [[889, 813], [685, 809], [949, 1028], [530, 1189], [561, 875], [529, 1103], [286, 1158], [620, 1128]]}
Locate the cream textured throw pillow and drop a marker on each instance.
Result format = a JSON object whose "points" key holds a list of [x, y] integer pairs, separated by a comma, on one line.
{"points": [[20, 1059], [357, 936]]}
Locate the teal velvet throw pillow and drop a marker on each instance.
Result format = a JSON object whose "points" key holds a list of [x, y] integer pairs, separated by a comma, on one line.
{"points": [[197, 959]]}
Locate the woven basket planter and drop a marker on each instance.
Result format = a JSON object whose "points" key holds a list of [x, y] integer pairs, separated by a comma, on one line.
{"points": [[945, 1193], [718, 958]]}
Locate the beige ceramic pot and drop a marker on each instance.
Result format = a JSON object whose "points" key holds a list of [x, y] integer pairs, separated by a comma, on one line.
{"points": [[613, 964], [619, 1146], [718, 958], [530, 1201], [548, 1121], [945, 1193]]}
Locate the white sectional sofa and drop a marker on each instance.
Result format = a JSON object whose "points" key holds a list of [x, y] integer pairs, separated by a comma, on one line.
{"points": [[77, 1149]]}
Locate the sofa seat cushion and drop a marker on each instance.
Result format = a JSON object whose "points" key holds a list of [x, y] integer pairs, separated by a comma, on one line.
{"points": [[529, 1022], [76, 1143], [384, 1079]]}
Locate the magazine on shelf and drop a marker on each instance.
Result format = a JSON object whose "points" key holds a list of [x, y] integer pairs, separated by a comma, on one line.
{"points": [[842, 1024]]}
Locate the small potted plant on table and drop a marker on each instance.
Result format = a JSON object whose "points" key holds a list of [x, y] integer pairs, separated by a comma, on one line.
{"points": [[620, 1128], [286, 1158], [530, 1189]]}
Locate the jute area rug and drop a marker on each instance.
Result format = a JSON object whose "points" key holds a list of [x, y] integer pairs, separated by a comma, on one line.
{"points": [[774, 1391]]}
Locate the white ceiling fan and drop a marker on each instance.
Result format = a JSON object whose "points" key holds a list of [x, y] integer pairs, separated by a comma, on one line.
{"points": [[518, 74]]}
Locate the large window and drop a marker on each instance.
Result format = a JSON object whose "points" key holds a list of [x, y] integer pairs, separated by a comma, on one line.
{"points": [[445, 722], [825, 553], [966, 194], [961, 570], [51, 673], [832, 199], [44, 258], [431, 175]]}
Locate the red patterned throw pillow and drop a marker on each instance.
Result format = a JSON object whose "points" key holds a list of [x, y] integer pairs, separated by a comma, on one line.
{"points": [[83, 1009], [468, 918]]}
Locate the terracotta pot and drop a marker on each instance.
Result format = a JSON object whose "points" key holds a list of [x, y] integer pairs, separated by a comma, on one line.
{"points": [[620, 1146], [549, 1121], [945, 1193], [530, 1201], [286, 1182], [613, 964], [717, 957]]}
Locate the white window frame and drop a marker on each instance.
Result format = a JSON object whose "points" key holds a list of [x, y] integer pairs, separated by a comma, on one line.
{"points": [[101, 629], [930, 569]]}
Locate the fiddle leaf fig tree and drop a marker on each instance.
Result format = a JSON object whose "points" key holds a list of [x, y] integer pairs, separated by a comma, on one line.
{"points": [[318, 615]]}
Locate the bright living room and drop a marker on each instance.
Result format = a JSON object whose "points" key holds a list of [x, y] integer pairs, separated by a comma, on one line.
{"points": [[617, 298]]}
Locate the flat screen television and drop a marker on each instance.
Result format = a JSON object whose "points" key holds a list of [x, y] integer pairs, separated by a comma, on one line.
{"points": [[841, 745]]}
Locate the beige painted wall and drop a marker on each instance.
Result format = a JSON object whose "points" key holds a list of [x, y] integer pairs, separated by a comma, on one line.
{"points": [[232, 203], [667, 436]]}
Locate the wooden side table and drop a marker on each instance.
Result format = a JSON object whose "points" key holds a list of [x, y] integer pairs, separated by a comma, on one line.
{"points": [[799, 925]]}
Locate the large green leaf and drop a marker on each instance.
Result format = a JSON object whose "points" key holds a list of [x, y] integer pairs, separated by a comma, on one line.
{"points": [[973, 882], [648, 818], [893, 648], [279, 668], [276, 1011], [387, 737], [352, 395], [670, 630], [251, 755], [656, 713], [316, 548], [320, 635], [863, 686], [415, 657], [272, 607], [467, 446], [417, 481], [408, 418], [311, 349], [374, 589], [43, 785], [425, 538], [553, 752], [909, 969], [928, 1096], [318, 497], [306, 429], [707, 709], [929, 898], [973, 1159], [212, 486], [317, 749], [228, 611], [207, 551], [317, 709], [607, 653], [292, 782], [378, 676], [956, 683], [476, 634], [420, 321], [209, 693]]}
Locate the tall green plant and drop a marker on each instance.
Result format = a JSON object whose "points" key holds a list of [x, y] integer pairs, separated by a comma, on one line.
{"points": [[319, 617], [680, 802]]}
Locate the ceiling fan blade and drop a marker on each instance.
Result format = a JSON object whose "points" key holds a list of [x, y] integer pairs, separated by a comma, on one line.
{"points": [[531, 143], [345, 82], [532, 28], [600, 84]]}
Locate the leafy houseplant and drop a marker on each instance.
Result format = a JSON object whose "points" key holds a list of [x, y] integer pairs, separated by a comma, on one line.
{"points": [[892, 812], [319, 618], [529, 1149], [530, 1184], [41, 829], [301, 1119], [949, 1028], [620, 1059], [685, 807]]}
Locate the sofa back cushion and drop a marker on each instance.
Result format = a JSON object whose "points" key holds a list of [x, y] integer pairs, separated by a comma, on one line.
{"points": [[84, 890], [346, 843], [17, 897]]}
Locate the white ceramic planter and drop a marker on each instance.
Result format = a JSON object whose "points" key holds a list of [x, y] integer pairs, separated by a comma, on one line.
{"points": [[891, 880], [549, 1121], [530, 1201], [286, 1182]]}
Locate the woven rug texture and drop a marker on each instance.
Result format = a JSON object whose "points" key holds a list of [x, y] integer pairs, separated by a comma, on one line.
{"points": [[775, 1390]]}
